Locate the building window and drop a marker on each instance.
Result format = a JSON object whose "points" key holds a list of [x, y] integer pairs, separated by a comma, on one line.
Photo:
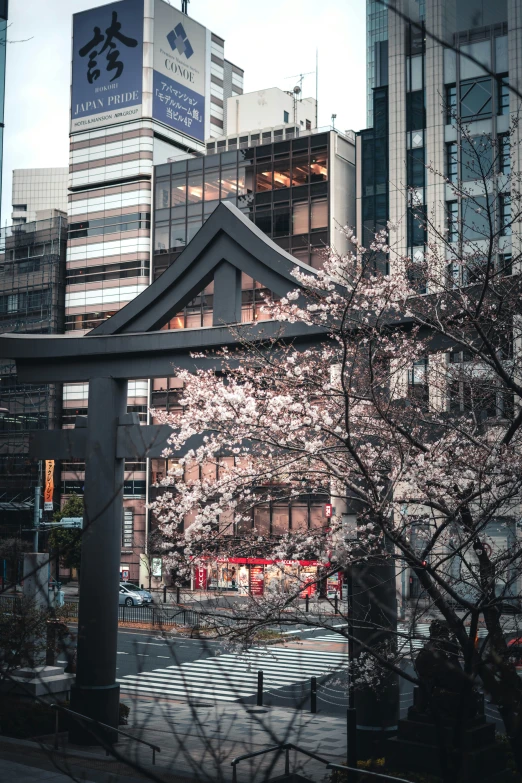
{"points": [[263, 177], [476, 158], [319, 215], [300, 171], [451, 161], [476, 214], [475, 98], [127, 533], [502, 94], [504, 264], [300, 223], [417, 226], [452, 208], [282, 174], [504, 153], [418, 381], [161, 238], [308, 125], [286, 117], [415, 111], [505, 215], [162, 194], [20, 207], [281, 221], [318, 167], [416, 168], [451, 103]]}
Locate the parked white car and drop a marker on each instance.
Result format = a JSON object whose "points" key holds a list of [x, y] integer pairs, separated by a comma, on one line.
{"points": [[129, 597]]}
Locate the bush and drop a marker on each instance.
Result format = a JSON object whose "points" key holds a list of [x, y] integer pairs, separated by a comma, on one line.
{"points": [[124, 714]]}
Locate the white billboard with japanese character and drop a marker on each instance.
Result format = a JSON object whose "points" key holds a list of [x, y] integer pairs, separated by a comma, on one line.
{"points": [[179, 71]]}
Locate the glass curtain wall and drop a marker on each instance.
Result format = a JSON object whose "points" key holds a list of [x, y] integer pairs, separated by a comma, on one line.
{"points": [[281, 187]]}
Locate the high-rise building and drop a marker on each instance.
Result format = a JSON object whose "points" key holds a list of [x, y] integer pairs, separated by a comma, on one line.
{"points": [[444, 139], [32, 259], [161, 98], [420, 95], [151, 87], [39, 189], [3, 49]]}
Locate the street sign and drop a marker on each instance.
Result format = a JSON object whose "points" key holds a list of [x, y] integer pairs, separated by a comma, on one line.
{"points": [[328, 510], [67, 522]]}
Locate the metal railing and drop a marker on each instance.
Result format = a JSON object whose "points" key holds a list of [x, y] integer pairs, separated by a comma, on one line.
{"points": [[84, 719], [155, 615], [381, 775], [286, 748]]}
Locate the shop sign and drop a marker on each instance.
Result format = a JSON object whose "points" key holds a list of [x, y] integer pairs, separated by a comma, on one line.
{"points": [[156, 567], [257, 580], [49, 485], [200, 578], [328, 510]]}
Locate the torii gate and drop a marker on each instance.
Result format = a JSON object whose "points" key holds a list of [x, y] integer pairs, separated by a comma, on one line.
{"points": [[131, 345]]}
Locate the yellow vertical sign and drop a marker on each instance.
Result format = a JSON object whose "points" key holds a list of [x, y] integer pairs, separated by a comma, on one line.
{"points": [[49, 485]]}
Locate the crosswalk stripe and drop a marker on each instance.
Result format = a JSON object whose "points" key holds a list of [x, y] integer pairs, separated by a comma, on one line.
{"points": [[232, 676], [197, 675], [167, 691]]}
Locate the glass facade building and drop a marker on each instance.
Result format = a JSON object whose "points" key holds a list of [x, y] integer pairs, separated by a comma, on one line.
{"points": [[283, 187], [3, 49]]}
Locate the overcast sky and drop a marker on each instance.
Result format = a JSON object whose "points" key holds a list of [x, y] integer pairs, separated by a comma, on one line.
{"points": [[273, 41]]}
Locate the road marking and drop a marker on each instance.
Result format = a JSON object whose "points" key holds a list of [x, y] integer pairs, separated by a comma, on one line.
{"points": [[121, 653], [233, 677]]}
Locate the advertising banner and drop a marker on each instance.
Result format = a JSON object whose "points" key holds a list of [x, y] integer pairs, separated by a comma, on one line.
{"points": [[179, 71], [49, 485], [107, 66], [156, 567], [257, 580], [334, 585], [200, 578], [242, 580]]}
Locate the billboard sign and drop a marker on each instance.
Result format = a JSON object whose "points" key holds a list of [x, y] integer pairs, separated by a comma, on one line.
{"points": [[49, 485], [107, 65], [178, 90]]}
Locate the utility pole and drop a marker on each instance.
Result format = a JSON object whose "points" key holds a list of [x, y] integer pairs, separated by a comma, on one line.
{"points": [[36, 516]]}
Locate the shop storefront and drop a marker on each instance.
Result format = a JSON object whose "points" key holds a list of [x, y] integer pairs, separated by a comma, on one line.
{"points": [[257, 576]]}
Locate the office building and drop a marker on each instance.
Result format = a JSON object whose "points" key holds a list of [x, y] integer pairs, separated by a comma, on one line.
{"points": [[296, 191], [32, 287], [162, 97], [35, 190], [420, 96], [296, 186], [433, 110]]}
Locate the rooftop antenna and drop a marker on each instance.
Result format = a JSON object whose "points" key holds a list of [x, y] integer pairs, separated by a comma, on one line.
{"points": [[317, 88], [334, 117], [184, 6]]}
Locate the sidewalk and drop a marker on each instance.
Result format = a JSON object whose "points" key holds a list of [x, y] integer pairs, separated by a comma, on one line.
{"points": [[197, 743]]}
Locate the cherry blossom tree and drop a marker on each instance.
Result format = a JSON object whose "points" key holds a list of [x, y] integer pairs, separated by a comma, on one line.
{"points": [[401, 406]]}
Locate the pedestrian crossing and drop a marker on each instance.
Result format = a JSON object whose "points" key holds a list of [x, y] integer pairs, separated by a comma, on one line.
{"points": [[233, 677], [417, 639], [329, 637]]}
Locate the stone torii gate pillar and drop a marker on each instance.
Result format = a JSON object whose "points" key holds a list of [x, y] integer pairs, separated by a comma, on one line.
{"points": [[95, 693]]}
